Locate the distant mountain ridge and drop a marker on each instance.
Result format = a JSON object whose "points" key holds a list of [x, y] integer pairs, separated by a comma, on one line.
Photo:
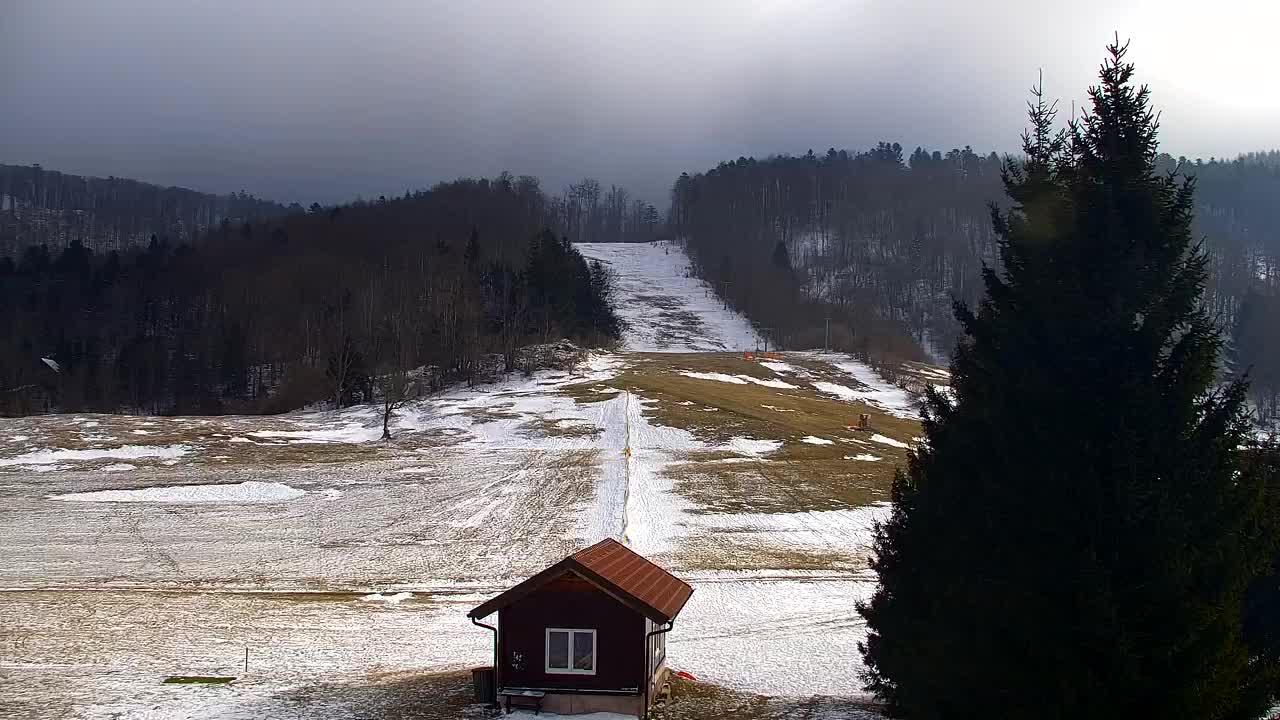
{"points": [[39, 206]]}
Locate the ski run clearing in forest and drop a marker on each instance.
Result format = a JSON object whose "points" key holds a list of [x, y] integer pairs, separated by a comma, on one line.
{"points": [[335, 558]]}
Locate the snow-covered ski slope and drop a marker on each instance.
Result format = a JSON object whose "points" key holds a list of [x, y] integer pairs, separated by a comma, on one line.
{"points": [[666, 308], [137, 548]]}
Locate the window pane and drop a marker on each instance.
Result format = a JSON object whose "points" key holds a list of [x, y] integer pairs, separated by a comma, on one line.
{"points": [[558, 650], [583, 657]]}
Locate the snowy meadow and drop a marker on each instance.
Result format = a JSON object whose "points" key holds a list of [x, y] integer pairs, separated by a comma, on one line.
{"points": [[136, 548]]}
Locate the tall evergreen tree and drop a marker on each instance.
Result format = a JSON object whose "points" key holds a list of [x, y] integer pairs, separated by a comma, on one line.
{"points": [[1262, 604], [1075, 535]]}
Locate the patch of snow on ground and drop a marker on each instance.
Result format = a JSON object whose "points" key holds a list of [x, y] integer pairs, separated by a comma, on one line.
{"points": [[854, 527], [779, 367], [774, 634], [865, 457], [388, 599], [664, 307], [125, 452], [351, 432], [883, 394], [246, 492], [840, 391], [779, 384], [816, 440], [751, 446], [602, 363], [737, 379], [635, 483], [888, 441], [119, 467], [719, 377], [879, 393]]}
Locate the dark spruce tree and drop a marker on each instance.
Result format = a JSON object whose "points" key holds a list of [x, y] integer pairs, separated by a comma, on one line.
{"points": [[1262, 604], [1075, 536]]}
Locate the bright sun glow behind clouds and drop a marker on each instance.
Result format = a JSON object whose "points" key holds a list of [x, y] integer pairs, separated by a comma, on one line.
{"points": [[1221, 55]]}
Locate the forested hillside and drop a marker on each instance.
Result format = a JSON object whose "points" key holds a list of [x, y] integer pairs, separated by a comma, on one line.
{"points": [[46, 207], [269, 315], [882, 243], [872, 241]]}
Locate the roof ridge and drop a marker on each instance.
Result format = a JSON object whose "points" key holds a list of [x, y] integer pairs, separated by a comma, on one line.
{"points": [[643, 558], [646, 583]]}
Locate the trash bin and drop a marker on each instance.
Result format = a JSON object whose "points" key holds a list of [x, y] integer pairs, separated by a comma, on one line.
{"points": [[482, 679]]}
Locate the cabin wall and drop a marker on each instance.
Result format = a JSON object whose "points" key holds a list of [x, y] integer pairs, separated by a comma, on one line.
{"points": [[656, 654], [571, 602]]}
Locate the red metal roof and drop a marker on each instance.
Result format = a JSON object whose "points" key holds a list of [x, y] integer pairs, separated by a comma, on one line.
{"points": [[636, 576], [618, 570]]}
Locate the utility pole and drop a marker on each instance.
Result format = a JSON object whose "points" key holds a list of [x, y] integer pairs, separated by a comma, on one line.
{"points": [[826, 335]]}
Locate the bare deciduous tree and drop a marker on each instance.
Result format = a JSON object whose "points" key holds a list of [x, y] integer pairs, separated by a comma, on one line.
{"points": [[396, 388]]}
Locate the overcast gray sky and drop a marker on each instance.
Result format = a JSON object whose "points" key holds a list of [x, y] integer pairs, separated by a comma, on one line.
{"points": [[323, 100]]}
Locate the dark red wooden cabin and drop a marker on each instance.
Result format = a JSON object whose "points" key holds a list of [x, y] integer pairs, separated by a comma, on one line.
{"points": [[589, 631]]}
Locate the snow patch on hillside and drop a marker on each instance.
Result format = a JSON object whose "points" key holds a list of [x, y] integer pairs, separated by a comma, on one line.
{"points": [[125, 452], [874, 390], [841, 391], [752, 447], [351, 432], [883, 440], [119, 467], [245, 492], [666, 308], [395, 599], [855, 527], [738, 379]]}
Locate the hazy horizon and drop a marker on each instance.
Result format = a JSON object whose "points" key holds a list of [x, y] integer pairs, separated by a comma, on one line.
{"points": [[324, 101]]}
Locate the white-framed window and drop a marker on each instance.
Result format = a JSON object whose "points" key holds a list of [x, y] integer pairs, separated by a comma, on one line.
{"points": [[571, 651]]}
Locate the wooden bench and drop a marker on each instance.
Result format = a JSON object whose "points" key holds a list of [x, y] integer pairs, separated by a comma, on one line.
{"points": [[520, 694]]}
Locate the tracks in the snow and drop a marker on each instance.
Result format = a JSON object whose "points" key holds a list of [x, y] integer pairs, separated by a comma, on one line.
{"points": [[626, 464]]}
